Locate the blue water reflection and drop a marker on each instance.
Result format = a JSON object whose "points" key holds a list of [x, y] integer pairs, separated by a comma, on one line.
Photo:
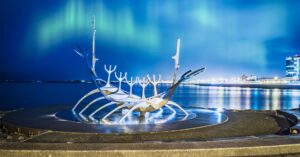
{"points": [[14, 95], [237, 97]]}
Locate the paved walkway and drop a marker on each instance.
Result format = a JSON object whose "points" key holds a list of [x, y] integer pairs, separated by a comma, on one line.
{"points": [[245, 146]]}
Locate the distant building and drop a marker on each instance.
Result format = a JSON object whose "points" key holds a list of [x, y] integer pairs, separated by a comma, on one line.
{"points": [[252, 78], [292, 67], [248, 78]]}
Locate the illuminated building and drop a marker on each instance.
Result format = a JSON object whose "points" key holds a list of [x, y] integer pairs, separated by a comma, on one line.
{"points": [[292, 67]]}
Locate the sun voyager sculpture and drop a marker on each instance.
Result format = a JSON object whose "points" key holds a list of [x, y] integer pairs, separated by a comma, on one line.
{"points": [[126, 100]]}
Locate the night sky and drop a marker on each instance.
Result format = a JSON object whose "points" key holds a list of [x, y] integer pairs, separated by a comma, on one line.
{"points": [[229, 37]]}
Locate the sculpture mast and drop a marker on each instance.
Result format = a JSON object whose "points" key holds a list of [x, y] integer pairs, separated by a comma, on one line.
{"points": [[176, 60], [94, 59]]}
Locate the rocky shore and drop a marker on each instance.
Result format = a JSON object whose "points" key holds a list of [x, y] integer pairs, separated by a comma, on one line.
{"points": [[7, 135], [286, 121]]}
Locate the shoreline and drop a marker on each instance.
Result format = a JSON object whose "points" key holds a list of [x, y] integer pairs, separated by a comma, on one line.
{"points": [[242, 85], [249, 85]]}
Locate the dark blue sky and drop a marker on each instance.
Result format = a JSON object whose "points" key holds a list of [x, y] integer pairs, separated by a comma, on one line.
{"points": [[229, 37]]}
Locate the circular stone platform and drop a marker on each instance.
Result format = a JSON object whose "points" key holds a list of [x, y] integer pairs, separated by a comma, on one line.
{"points": [[45, 118]]}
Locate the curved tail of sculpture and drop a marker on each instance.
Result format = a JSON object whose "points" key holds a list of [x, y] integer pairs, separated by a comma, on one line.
{"points": [[166, 95], [187, 75]]}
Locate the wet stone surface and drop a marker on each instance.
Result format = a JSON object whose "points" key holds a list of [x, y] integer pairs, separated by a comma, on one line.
{"points": [[46, 119]]}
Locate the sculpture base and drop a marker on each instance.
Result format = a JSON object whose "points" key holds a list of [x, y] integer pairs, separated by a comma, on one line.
{"points": [[46, 119]]}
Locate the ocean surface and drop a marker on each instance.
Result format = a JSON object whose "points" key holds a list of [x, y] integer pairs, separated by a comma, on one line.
{"points": [[36, 95], [24, 95]]}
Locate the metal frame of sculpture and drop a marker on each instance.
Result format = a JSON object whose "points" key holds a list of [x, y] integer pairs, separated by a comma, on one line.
{"points": [[124, 99]]}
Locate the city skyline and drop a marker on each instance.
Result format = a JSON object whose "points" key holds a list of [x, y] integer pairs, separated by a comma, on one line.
{"points": [[229, 38]]}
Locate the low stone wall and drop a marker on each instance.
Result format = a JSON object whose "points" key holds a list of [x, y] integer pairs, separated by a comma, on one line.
{"points": [[278, 150]]}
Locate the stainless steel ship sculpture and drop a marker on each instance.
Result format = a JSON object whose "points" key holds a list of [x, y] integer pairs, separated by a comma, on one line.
{"points": [[127, 100]]}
